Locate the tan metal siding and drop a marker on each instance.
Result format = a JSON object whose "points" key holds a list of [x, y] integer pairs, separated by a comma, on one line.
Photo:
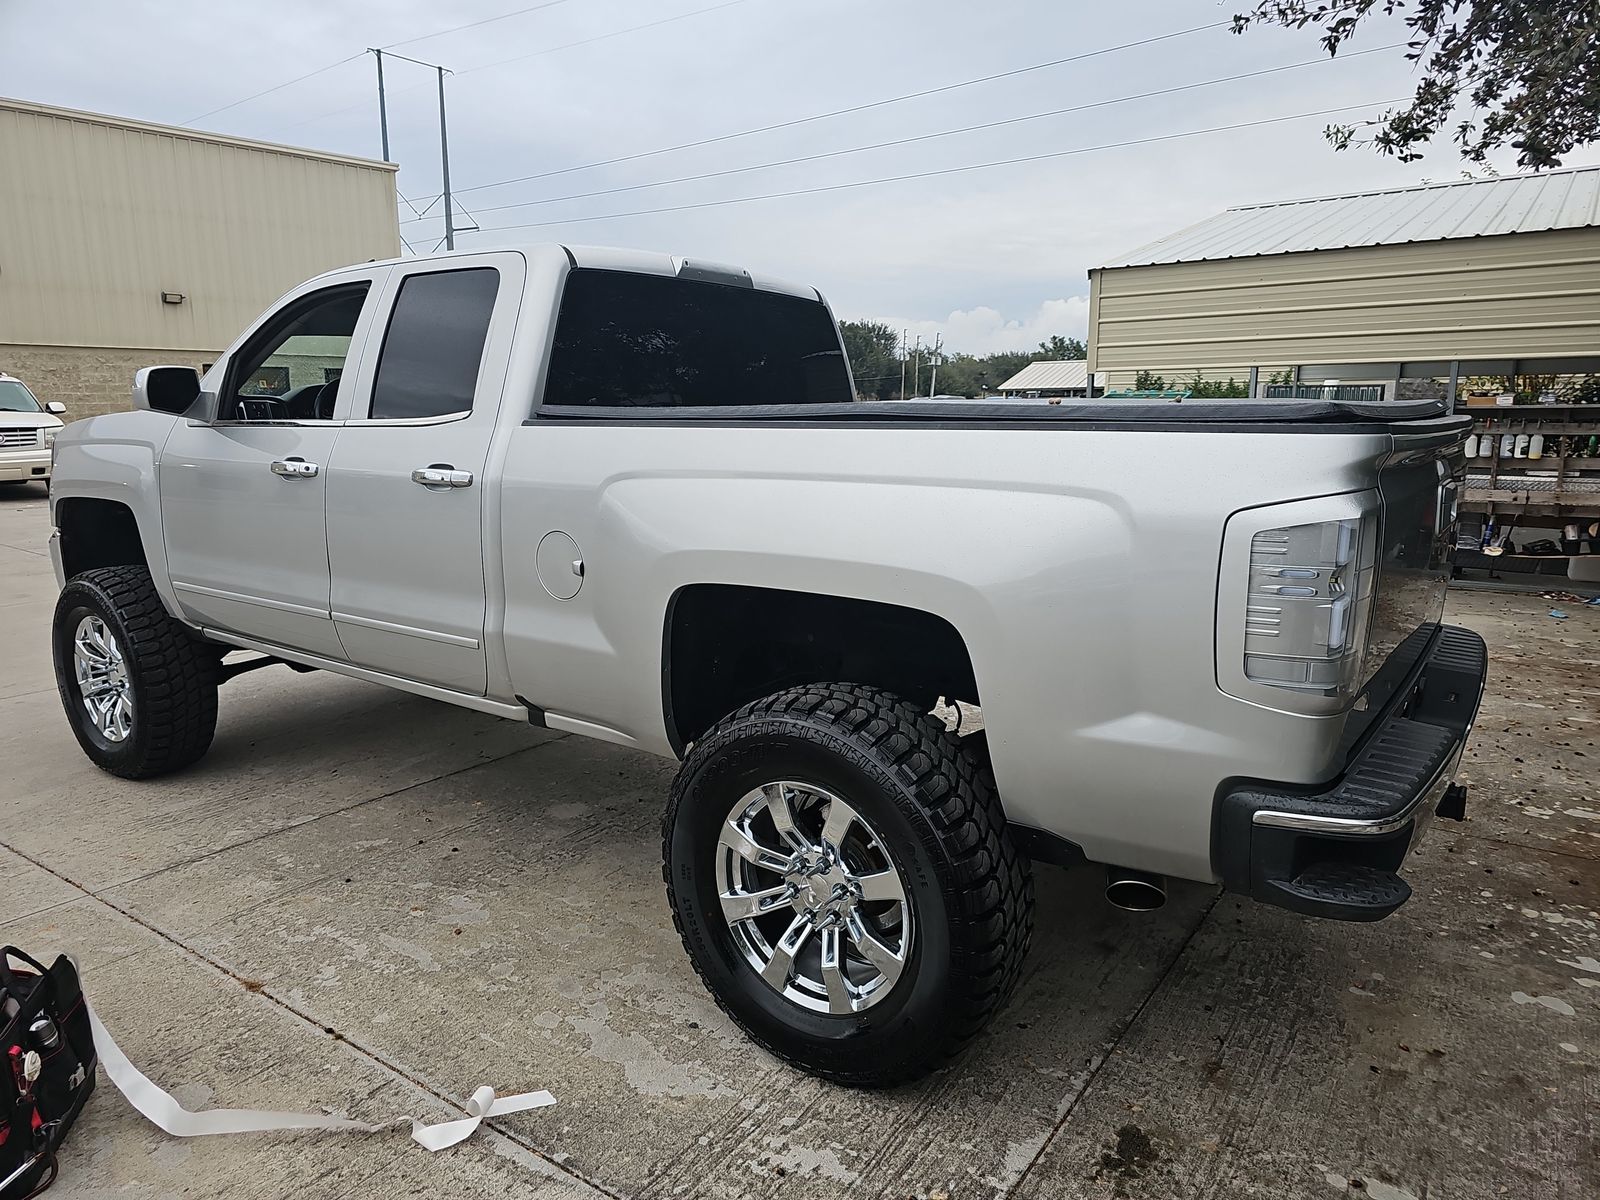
{"points": [[1514, 296], [98, 217]]}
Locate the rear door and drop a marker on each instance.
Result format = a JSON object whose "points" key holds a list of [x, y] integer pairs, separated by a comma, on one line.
{"points": [[406, 489], [242, 496]]}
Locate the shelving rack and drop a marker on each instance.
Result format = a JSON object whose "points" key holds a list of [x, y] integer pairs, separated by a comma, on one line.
{"points": [[1572, 493]]}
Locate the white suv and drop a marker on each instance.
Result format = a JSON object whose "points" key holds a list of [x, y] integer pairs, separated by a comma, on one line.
{"points": [[27, 433]]}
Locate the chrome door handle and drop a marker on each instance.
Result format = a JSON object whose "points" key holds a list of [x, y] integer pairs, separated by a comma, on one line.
{"points": [[294, 468], [441, 475]]}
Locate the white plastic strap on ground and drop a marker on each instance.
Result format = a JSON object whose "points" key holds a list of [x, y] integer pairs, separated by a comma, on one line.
{"points": [[167, 1114]]}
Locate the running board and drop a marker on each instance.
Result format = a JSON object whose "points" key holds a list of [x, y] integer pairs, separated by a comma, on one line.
{"points": [[495, 708]]}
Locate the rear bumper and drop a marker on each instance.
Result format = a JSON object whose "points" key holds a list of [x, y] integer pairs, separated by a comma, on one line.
{"points": [[1336, 850]]}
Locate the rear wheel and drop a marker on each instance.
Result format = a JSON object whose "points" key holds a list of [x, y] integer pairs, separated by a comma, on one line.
{"points": [[139, 689], [840, 873]]}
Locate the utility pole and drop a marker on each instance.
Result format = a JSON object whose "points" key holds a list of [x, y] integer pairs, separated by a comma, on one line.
{"points": [[933, 357], [383, 106], [903, 334], [444, 151], [444, 137], [916, 368]]}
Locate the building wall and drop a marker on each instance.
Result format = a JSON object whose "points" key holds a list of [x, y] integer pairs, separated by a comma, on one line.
{"points": [[99, 216], [1513, 296], [88, 379]]}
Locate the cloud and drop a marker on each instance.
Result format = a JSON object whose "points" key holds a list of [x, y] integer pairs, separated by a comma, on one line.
{"points": [[753, 133], [985, 330]]}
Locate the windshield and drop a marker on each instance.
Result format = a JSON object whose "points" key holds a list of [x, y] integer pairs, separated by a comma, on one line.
{"points": [[15, 397]]}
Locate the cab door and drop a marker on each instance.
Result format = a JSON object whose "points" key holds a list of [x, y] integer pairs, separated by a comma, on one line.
{"points": [[407, 495], [242, 495]]}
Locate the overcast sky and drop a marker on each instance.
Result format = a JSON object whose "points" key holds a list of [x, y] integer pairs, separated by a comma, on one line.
{"points": [[994, 258]]}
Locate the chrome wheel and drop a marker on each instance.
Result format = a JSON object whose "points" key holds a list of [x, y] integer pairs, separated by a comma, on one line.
{"points": [[102, 679], [813, 900]]}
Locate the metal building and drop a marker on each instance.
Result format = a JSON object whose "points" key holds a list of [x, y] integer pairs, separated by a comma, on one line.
{"points": [[124, 243], [1053, 379], [1490, 277]]}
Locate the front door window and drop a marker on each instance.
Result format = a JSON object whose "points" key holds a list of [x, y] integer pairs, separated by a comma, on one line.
{"points": [[290, 370]]}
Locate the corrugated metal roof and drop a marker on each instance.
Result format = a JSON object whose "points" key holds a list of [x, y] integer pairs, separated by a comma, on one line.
{"points": [[1048, 376], [1568, 199]]}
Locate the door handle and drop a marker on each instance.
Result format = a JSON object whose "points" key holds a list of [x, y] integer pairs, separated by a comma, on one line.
{"points": [[441, 475], [294, 468]]}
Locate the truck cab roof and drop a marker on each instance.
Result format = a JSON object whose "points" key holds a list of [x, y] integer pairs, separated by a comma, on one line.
{"points": [[638, 262]]}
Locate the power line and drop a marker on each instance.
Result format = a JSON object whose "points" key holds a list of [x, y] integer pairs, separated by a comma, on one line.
{"points": [[924, 137], [422, 37], [275, 88], [855, 108], [334, 112], [403, 42], [1004, 162], [603, 36]]}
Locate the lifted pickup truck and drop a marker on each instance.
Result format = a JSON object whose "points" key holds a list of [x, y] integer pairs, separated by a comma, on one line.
{"points": [[632, 497]]}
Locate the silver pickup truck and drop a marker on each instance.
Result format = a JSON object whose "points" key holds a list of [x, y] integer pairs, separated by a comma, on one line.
{"points": [[901, 650]]}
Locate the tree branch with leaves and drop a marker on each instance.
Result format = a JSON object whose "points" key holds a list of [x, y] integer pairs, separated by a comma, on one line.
{"points": [[1496, 73]]}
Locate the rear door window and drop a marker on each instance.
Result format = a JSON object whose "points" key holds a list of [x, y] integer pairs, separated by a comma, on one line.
{"points": [[626, 341], [434, 345]]}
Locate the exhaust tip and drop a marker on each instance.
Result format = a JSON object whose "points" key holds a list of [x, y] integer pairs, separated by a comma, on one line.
{"points": [[1135, 891]]}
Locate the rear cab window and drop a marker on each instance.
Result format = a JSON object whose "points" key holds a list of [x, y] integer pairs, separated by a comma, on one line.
{"points": [[628, 341]]}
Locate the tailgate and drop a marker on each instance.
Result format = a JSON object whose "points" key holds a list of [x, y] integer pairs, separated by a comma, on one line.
{"points": [[1419, 483]]}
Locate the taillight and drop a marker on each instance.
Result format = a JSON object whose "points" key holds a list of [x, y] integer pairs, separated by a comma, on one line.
{"points": [[1300, 626], [1293, 600]]}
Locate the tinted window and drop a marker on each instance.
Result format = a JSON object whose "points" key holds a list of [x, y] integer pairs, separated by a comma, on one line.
{"points": [[281, 375], [624, 339], [429, 364]]}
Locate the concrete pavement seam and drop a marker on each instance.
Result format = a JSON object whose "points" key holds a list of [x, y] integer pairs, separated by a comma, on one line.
{"points": [[332, 812], [375, 1056], [1494, 841], [1133, 1019], [248, 840]]}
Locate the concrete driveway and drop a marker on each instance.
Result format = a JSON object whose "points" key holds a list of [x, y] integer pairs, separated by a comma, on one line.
{"points": [[371, 903]]}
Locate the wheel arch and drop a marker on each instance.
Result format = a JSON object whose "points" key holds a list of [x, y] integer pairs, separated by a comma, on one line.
{"points": [[105, 498], [96, 532], [724, 645]]}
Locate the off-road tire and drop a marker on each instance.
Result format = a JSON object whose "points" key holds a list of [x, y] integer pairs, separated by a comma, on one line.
{"points": [[933, 800], [171, 672]]}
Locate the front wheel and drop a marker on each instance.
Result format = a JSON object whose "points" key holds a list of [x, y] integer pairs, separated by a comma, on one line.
{"points": [[140, 690], [839, 870]]}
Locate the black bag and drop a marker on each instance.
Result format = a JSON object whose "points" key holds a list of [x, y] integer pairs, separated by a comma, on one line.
{"points": [[47, 1063]]}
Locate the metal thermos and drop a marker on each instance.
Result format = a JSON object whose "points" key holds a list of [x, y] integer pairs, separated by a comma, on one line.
{"points": [[44, 1035]]}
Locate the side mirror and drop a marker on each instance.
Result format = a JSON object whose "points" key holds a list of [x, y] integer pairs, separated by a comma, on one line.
{"points": [[55, 408], [166, 389]]}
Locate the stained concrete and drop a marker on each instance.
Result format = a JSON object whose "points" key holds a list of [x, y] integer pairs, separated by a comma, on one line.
{"points": [[366, 902]]}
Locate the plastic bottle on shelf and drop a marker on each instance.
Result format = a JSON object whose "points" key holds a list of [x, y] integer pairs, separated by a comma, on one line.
{"points": [[1521, 450], [1472, 445], [1536, 446], [1508, 444]]}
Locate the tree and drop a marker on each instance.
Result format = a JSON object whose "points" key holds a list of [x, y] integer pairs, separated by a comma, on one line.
{"points": [[1061, 349], [874, 352], [1527, 72]]}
